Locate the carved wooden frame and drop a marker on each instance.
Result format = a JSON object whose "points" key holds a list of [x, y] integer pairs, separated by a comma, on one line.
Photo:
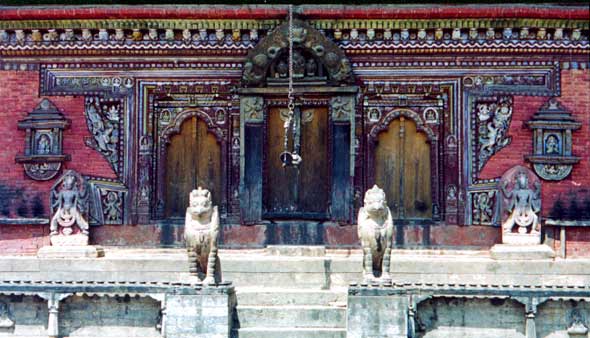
{"points": [[162, 152], [432, 139]]}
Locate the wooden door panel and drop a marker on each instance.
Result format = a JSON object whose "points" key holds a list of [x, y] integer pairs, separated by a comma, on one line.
{"points": [[387, 165], [293, 192], [402, 170], [193, 159]]}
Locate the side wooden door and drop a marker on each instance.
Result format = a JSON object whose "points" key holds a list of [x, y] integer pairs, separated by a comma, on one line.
{"points": [[402, 170], [193, 160]]}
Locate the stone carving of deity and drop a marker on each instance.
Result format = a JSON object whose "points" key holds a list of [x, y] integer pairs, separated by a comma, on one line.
{"points": [[68, 203], [523, 202], [552, 145], [43, 145]]}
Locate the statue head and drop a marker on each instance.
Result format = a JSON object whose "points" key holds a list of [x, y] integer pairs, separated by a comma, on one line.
{"points": [[522, 180], [375, 201], [200, 201], [69, 182]]}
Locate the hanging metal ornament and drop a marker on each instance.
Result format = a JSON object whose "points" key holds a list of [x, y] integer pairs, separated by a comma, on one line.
{"points": [[293, 120]]}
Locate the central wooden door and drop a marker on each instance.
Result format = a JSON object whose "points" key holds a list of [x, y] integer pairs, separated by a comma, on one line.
{"points": [[193, 160], [304, 192], [402, 170]]}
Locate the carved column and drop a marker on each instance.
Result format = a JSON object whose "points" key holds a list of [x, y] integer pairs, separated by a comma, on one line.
{"points": [[251, 157], [342, 112], [53, 300]]}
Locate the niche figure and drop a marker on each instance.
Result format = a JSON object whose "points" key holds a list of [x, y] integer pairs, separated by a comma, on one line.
{"points": [[523, 204], [375, 230], [552, 145], [43, 145], [201, 233], [69, 205]]}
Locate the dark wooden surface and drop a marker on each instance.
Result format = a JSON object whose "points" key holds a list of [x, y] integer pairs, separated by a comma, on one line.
{"points": [[402, 169], [194, 159], [306, 190]]}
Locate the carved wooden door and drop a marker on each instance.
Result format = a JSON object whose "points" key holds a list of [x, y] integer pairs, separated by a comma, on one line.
{"points": [[304, 192], [402, 169], [193, 159]]}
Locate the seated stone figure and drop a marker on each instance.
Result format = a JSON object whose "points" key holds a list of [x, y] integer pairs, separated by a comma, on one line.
{"points": [[201, 233], [523, 205], [375, 230], [67, 202]]}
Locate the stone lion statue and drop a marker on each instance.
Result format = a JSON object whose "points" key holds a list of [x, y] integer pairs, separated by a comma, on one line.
{"points": [[201, 233], [375, 230]]}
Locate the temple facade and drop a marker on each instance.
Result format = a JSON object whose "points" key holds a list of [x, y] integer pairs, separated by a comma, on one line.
{"points": [[471, 123]]}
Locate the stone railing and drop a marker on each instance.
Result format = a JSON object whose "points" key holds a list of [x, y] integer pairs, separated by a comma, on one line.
{"points": [[115, 309]]}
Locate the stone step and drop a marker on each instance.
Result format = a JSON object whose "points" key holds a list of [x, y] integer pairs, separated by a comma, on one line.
{"points": [[278, 296], [289, 332], [307, 316]]}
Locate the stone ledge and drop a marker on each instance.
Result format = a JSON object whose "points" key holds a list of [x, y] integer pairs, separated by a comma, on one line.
{"points": [[521, 252], [71, 251]]}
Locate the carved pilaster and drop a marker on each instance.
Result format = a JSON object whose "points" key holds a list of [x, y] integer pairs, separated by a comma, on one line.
{"points": [[53, 300]]}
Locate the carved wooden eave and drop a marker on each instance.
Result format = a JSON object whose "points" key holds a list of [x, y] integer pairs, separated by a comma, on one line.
{"points": [[305, 37]]}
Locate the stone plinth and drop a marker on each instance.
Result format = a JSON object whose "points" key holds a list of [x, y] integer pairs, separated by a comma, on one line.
{"points": [[71, 251], [521, 252], [377, 313], [70, 240], [206, 314]]}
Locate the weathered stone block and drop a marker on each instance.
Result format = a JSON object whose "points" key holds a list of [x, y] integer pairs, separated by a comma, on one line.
{"points": [[376, 316]]}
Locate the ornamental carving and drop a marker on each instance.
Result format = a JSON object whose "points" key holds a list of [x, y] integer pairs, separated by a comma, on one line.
{"points": [[103, 120], [552, 127], [69, 210], [43, 156], [521, 206], [201, 233], [483, 207], [375, 230], [342, 108], [251, 108], [492, 122], [312, 54]]}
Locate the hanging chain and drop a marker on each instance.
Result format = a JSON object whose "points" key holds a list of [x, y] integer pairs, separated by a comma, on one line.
{"points": [[291, 103]]}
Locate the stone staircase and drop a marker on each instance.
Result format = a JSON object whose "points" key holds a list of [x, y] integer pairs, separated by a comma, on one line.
{"points": [[285, 304], [290, 313]]}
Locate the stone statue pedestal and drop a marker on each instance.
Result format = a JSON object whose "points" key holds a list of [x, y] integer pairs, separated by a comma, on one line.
{"points": [[521, 251], [71, 251]]}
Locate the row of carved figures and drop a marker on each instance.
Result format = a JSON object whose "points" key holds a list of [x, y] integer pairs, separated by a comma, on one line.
{"points": [[520, 188], [245, 37]]}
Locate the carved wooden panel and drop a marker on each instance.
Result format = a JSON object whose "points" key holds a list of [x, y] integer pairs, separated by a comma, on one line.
{"points": [[402, 169], [194, 159], [302, 192]]}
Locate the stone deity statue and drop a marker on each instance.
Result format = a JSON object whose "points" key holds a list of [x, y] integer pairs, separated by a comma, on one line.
{"points": [[375, 230], [69, 207], [201, 233], [523, 204]]}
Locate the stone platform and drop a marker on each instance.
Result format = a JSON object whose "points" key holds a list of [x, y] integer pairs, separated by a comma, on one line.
{"points": [[303, 291]]}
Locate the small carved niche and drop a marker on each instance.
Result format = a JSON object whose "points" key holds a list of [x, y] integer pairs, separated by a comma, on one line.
{"points": [[552, 127], [44, 126]]}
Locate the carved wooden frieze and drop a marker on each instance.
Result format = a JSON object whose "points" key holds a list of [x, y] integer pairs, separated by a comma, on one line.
{"points": [[104, 121], [493, 117], [321, 53], [552, 156], [43, 156]]}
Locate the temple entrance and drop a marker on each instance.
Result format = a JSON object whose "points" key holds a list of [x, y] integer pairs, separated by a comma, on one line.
{"points": [[303, 191], [402, 169], [193, 159]]}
